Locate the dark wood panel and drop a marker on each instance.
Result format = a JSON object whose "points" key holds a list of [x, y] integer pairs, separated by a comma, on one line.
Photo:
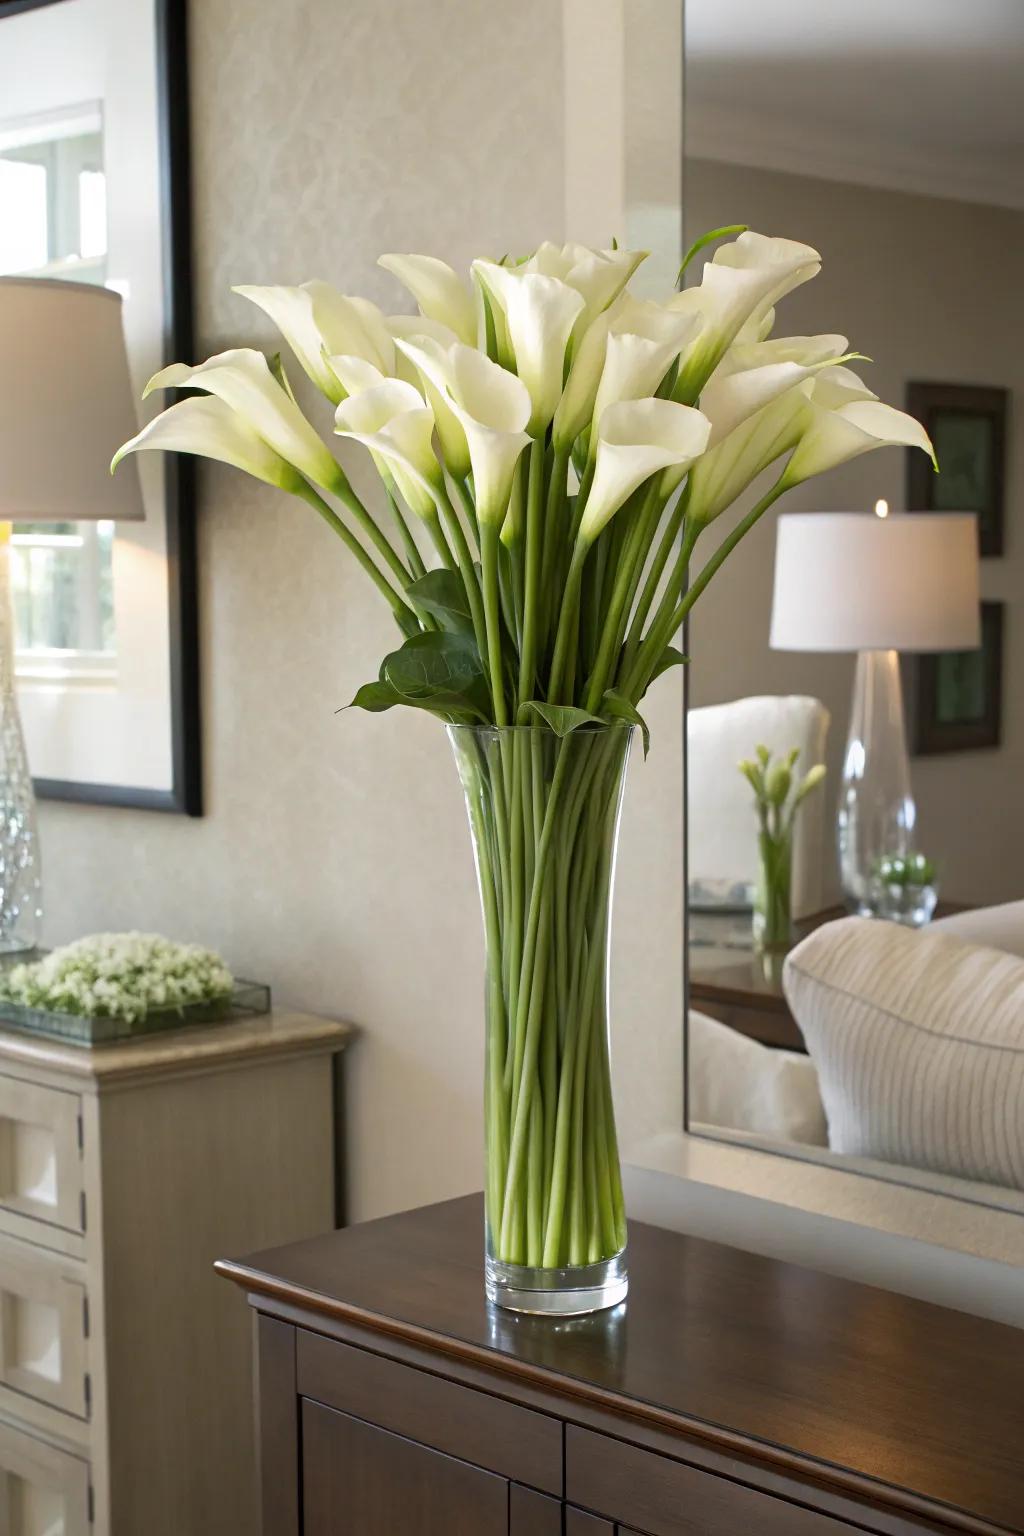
{"points": [[579, 1523], [362, 1481], [504, 1438], [867, 1395], [669, 1498], [277, 1427], [533, 1514]]}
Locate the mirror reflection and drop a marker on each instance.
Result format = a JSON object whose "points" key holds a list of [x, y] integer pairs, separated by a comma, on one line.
{"points": [[855, 710]]}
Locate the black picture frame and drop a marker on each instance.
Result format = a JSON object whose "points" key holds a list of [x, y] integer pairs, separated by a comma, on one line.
{"points": [[962, 420], [934, 681], [186, 793]]}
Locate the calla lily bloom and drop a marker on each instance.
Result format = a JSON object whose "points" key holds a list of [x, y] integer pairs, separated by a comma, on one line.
{"points": [[540, 313], [438, 290], [636, 439], [429, 360], [206, 426], [392, 420], [725, 471], [355, 375], [599, 276], [833, 437], [738, 289], [490, 406], [623, 356], [729, 398], [243, 380], [315, 319]]}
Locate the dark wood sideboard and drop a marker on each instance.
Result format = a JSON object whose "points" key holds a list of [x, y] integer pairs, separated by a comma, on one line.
{"points": [[731, 1396]]}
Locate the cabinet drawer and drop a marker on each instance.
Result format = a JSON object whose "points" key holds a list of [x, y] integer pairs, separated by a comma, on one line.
{"points": [[42, 1326], [362, 1480], [42, 1489], [512, 1441], [669, 1498], [40, 1157]]}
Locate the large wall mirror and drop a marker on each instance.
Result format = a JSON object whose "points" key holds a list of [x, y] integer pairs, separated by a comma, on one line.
{"points": [[891, 138], [94, 189]]}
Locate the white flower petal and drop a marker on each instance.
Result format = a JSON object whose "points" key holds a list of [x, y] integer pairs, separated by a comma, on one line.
{"points": [[725, 471], [393, 421], [540, 313], [834, 437], [354, 375], [727, 400], [206, 426], [637, 438], [291, 310], [438, 290], [243, 380], [411, 328]]}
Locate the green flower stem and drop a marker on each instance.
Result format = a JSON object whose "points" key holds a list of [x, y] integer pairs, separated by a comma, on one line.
{"points": [[467, 571], [490, 650], [666, 545], [465, 495], [416, 565], [568, 625], [660, 634], [553, 540], [403, 613], [378, 538], [773, 899], [535, 536], [627, 575]]}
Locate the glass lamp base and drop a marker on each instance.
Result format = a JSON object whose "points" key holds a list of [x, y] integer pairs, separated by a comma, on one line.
{"points": [[566, 1292]]}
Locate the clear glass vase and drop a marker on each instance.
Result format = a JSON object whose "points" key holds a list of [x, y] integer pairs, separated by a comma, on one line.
{"points": [[773, 906], [544, 815], [20, 876]]}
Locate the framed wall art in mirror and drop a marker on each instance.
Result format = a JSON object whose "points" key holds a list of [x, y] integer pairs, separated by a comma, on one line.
{"points": [[94, 189]]}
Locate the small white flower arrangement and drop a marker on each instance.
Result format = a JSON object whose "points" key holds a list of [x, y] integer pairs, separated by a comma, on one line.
{"points": [[120, 976]]}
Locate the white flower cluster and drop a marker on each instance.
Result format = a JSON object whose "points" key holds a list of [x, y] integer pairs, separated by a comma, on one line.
{"points": [[118, 975]]}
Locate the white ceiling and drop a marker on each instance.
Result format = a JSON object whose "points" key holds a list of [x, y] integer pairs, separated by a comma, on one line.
{"points": [[924, 95]]}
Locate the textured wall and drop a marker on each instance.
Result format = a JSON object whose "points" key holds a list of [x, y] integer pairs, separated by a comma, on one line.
{"points": [[902, 278], [334, 859]]}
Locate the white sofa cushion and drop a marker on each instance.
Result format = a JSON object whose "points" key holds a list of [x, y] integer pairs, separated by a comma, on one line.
{"points": [[999, 927], [918, 1040], [739, 1084]]}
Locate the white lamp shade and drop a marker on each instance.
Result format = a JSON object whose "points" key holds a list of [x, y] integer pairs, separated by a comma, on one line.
{"points": [[65, 404], [851, 581]]}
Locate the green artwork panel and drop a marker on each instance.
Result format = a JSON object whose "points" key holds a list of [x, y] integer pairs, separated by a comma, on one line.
{"points": [[960, 687], [963, 447]]}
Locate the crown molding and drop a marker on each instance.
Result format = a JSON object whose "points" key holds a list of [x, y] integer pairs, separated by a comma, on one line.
{"points": [[728, 134]]}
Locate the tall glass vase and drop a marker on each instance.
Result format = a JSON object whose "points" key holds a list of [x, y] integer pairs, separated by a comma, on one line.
{"points": [[20, 876], [773, 903], [544, 815]]}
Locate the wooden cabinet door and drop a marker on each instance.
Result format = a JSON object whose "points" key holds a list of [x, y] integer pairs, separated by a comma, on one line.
{"points": [[533, 1514], [361, 1481], [579, 1523]]}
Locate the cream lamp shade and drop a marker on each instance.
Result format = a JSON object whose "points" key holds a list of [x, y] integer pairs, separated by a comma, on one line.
{"points": [[852, 581], [66, 404]]}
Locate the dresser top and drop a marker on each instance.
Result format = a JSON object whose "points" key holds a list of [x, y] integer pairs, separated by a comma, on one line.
{"points": [[810, 1371], [194, 1047]]}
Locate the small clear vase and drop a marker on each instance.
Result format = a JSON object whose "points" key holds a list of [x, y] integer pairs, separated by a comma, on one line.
{"points": [[773, 906], [544, 816]]}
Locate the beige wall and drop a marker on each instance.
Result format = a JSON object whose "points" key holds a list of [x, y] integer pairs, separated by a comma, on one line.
{"points": [[930, 289], [334, 858]]}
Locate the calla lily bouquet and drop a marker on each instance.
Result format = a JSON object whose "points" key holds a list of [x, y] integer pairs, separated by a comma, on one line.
{"points": [[552, 450]]}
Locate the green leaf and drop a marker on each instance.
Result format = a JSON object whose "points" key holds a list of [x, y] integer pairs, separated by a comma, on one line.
{"points": [[442, 594], [375, 697], [669, 658], [439, 671], [708, 239], [560, 718], [621, 708]]}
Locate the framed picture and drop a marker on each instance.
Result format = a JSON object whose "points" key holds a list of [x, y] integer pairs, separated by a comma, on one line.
{"points": [[955, 697], [94, 188], [967, 424]]}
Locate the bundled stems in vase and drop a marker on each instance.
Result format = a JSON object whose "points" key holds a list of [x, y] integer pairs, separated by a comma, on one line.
{"points": [[552, 452]]}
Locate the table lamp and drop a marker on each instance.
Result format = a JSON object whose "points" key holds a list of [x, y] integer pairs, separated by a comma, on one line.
{"points": [[876, 584], [66, 403]]}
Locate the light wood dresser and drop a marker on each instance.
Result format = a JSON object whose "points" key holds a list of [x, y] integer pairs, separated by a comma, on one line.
{"points": [[125, 1171]]}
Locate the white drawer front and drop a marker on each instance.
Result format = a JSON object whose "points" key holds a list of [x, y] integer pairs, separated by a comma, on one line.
{"points": [[43, 1491], [42, 1327], [40, 1158]]}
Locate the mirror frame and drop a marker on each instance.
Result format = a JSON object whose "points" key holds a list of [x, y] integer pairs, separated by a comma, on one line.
{"points": [[186, 793]]}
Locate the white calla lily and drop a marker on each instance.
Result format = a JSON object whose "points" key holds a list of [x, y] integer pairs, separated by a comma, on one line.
{"points": [[206, 426], [839, 386], [833, 437], [410, 328], [355, 375], [394, 422], [489, 405], [725, 471], [738, 289], [729, 399], [636, 439], [598, 276], [624, 355], [430, 361], [440, 292], [806, 350], [315, 319], [540, 313], [243, 380]]}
